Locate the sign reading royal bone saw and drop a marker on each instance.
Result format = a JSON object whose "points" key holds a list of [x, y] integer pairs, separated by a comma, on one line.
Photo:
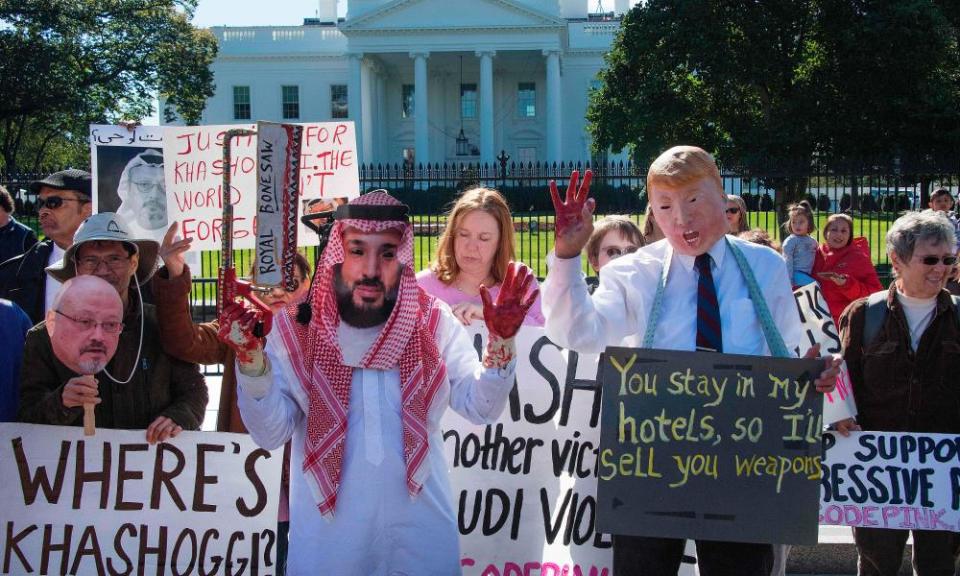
{"points": [[711, 446], [202, 503], [898, 480]]}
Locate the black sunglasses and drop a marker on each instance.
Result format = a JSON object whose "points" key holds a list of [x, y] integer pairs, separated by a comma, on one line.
{"points": [[54, 202], [733, 210], [934, 260]]}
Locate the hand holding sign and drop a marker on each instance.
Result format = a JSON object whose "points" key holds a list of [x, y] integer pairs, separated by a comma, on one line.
{"points": [[84, 325], [172, 251], [574, 221]]}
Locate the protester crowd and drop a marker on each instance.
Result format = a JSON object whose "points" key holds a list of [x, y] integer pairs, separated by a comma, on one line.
{"points": [[367, 345]]}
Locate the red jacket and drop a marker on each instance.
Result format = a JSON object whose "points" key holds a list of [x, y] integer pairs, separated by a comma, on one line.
{"points": [[852, 261]]}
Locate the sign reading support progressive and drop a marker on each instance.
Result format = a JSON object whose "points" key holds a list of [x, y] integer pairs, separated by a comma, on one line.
{"points": [[202, 503], [711, 446], [907, 481]]}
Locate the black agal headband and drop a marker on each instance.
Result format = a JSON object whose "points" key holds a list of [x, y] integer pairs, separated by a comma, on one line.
{"points": [[369, 212]]}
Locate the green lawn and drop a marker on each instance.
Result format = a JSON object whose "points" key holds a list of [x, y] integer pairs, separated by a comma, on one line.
{"points": [[534, 246]]}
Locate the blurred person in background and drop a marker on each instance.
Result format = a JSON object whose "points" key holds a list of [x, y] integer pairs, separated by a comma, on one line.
{"points": [[15, 238]]}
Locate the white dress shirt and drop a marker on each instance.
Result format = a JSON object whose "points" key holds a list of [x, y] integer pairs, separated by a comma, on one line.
{"points": [[377, 528], [621, 305]]}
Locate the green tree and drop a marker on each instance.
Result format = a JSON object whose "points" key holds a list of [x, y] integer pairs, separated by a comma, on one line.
{"points": [[67, 63], [769, 87]]}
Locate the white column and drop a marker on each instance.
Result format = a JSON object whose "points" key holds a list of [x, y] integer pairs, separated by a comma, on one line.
{"points": [[486, 107], [355, 101], [554, 117], [421, 140], [366, 142], [383, 152]]}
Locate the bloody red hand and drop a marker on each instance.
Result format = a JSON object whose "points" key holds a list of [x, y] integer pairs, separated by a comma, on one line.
{"points": [[505, 316], [236, 328], [569, 210]]}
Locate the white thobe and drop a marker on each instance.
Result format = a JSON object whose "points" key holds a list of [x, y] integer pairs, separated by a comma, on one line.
{"points": [[377, 528], [621, 306]]}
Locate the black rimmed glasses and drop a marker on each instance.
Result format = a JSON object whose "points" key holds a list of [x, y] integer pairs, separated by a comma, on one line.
{"points": [[88, 324], [733, 210]]}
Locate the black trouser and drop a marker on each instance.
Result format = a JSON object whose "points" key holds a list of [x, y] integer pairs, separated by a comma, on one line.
{"points": [[643, 556], [880, 551]]}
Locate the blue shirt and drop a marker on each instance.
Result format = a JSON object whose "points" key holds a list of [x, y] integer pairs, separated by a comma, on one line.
{"points": [[14, 324]]}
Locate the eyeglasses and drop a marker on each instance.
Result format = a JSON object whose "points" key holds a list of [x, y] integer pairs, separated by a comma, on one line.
{"points": [[89, 264], [934, 260], [616, 252], [733, 210], [86, 324], [54, 202]]}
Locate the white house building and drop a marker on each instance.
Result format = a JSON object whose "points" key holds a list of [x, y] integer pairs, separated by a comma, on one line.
{"points": [[513, 75]]}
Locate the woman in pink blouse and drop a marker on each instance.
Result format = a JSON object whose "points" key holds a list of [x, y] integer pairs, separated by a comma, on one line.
{"points": [[474, 249]]}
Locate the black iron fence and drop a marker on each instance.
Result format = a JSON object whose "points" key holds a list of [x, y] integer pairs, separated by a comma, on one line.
{"points": [[873, 197]]}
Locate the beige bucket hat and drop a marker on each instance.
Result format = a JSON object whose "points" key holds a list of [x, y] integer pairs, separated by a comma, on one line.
{"points": [[107, 226]]}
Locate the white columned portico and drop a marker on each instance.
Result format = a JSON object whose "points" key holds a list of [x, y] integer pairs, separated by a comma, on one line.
{"points": [[355, 101], [554, 106], [421, 140], [486, 106]]}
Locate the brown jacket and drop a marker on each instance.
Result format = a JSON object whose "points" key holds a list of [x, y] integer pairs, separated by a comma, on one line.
{"points": [[897, 389], [161, 385], [183, 339]]}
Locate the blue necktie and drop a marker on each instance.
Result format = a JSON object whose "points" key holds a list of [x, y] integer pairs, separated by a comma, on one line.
{"points": [[709, 337]]}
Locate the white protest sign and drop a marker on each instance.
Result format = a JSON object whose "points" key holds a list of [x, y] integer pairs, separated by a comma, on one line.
{"points": [[891, 480], [202, 503], [819, 328], [525, 487], [193, 160], [128, 177]]}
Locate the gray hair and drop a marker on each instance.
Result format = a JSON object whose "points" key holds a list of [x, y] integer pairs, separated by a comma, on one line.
{"points": [[928, 226]]}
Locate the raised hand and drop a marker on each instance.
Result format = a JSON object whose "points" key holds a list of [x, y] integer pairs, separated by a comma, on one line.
{"points": [[172, 250], [237, 323], [505, 316], [574, 221]]}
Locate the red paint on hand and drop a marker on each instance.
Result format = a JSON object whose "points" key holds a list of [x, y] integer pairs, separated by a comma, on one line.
{"points": [[570, 210], [505, 316], [236, 329]]}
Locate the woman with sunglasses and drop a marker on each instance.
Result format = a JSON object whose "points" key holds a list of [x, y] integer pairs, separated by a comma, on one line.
{"points": [[736, 214], [843, 267], [904, 375], [613, 236]]}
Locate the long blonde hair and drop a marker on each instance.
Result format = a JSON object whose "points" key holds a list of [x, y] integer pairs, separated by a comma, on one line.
{"points": [[444, 264]]}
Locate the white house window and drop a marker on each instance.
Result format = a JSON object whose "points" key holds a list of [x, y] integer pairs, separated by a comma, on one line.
{"points": [[527, 154], [338, 101], [468, 101], [291, 102], [241, 102], [408, 110], [527, 99]]}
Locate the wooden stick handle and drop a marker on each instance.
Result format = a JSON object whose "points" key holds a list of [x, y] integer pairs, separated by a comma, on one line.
{"points": [[89, 420]]}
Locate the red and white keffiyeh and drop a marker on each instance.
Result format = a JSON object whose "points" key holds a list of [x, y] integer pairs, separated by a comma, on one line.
{"points": [[407, 341]]}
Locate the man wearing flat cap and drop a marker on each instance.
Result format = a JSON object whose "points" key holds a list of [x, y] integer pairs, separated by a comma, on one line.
{"points": [[63, 200], [142, 387]]}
